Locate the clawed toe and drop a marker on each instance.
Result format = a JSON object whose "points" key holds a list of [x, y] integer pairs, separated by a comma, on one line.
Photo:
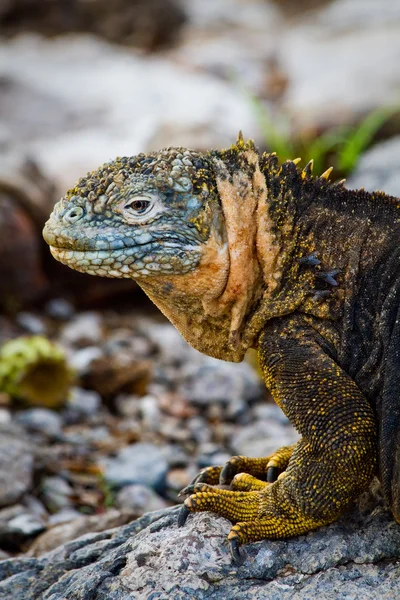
{"points": [[183, 515]]}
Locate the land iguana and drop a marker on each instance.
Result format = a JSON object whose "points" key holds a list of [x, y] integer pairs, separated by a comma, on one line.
{"points": [[239, 251]]}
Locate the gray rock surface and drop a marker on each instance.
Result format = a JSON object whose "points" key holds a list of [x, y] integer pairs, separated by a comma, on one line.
{"points": [[357, 557], [379, 169], [41, 420], [16, 463], [138, 463]]}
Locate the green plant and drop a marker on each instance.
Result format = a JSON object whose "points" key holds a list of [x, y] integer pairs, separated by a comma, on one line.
{"points": [[341, 146]]}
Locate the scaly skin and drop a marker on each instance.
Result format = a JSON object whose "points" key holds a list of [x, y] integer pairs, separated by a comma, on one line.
{"points": [[240, 252]]}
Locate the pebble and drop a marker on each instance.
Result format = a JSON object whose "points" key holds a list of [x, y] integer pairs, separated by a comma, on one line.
{"points": [[17, 524], [5, 416], [84, 329], [56, 493], [82, 359], [63, 516], [16, 467], [150, 412], [26, 525], [218, 382], [262, 438], [59, 309], [42, 420], [138, 463], [31, 323], [177, 479], [86, 403], [128, 405], [139, 498]]}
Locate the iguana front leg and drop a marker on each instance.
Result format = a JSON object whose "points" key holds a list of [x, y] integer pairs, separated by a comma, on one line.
{"points": [[332, 463]]}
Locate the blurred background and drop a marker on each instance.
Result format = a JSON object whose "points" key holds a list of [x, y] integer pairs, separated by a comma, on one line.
{"points": [[104, 410]]}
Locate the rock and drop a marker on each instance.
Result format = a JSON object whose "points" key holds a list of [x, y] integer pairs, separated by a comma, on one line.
{"points": [[64, 516], [40, 420], [150, 412], [356, 557], [83, 330], [138, 463], [64, 532], [82, 359], [176, 480], [263, 438], [16, 465], [117, 372], [216, 381], [139, 498], [5, 416], [31, 323], [85, 403], [17, 525], [59, 309], [56, 493], [379, 169], [63, 132], [150, 25], [26, 197]]}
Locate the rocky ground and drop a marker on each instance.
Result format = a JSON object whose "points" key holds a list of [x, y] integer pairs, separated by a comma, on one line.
{"points": [[79, 484], [145, 414]]}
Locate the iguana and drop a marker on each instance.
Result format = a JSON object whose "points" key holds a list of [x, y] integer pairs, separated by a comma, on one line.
{"points": [[239, 251]]}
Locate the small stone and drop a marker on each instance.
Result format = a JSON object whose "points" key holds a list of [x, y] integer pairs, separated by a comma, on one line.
{"points": [[139, 498], [82, 359], [263, 438], [150, 411], [85, 402], [17, 524], [63, 516], [41, 420], [177, 479], [85, 329], [5, 416], [59, 309], [31, 323], [56, 493], [175, 455], [26, 525], [214, 381], [270, 412], [138, 463], [16, 466], [128, 405], [211, 460]]}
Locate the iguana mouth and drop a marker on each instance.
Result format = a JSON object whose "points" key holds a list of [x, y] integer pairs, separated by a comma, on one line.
{"points": [[144, 259]]}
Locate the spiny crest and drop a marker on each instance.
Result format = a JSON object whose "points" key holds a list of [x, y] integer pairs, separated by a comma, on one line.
{"points": [[241, 145]]}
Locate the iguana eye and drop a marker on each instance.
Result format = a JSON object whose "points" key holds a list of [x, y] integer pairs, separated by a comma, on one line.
{"points": [[138, 209], [138, 206]]}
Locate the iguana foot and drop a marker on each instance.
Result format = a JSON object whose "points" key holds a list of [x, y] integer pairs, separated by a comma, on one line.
{"points": [[262, 512], [265, 469]]}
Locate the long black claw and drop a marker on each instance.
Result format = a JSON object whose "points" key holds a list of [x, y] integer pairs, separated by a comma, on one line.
{"points": [[183, 515], [227, 474], [187, 491], [235, 551], [272, 474]]}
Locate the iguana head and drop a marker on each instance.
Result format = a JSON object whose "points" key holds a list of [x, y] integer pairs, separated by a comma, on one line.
{"points": [[181, 223]]}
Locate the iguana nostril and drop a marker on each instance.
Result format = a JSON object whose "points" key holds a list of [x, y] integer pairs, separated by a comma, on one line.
{"points": [[73, 215]]}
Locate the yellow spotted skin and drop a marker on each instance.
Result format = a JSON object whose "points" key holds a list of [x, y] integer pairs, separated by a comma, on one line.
{"points": [[328, 468]]}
